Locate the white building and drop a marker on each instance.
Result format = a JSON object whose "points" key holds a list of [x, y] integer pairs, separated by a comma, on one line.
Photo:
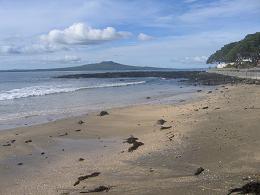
{"points": [[223, 65]]}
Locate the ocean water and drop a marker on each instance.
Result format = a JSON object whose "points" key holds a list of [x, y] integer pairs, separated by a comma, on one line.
{"points": [[28, 98]]}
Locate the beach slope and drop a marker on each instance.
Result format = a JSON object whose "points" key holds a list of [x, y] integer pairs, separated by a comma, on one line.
{"points": [[216, 136]]}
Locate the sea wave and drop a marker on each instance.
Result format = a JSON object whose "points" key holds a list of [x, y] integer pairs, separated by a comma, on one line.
{"points": [[47, 90]]}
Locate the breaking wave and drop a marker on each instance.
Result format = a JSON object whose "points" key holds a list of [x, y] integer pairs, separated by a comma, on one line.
{"points": [[47, 90]]}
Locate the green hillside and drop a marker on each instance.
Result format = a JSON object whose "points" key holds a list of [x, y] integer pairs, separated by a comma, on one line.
{"points": [[243, 53]]}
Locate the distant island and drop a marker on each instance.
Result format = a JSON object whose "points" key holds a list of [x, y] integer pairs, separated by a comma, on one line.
{"points": [[102, 66], [241, 54]]}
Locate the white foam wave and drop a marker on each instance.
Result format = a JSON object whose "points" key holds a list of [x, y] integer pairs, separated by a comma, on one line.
{"points": [[47, 90]]}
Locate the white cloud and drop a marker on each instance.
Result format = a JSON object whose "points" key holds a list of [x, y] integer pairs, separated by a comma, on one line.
{"points": [[56, 40], [68, 59], [35, 48], [82, 34], [71, 58], [199, 58], [144, 37]]}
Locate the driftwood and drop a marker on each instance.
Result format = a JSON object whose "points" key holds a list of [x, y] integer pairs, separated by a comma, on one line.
{"points": [[81, 178]]}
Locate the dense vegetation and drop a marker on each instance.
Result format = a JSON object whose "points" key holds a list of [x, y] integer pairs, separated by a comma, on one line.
{"points": [[237, 52]]}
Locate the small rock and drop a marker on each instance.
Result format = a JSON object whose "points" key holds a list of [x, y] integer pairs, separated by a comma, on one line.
{"points": [[199, 171], [80, 122], [98, 189], [135, 145], [81, 178], [103, 113], [81, 159], [28, 141], [165, 127], [170, 138], [19, 163], [131, 140], [161, 121]]}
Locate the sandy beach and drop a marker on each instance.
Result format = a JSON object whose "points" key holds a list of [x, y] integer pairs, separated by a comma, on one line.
{"points": [[218, 131]]}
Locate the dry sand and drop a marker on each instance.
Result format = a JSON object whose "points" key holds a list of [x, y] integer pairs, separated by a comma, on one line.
{"points": [[223, 138]]}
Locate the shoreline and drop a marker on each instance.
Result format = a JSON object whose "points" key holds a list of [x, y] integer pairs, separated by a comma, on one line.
{"points": [[207, 132], [35, 119]]}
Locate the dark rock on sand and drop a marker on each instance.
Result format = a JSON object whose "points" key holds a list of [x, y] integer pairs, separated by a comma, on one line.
{"points": [[81, 159], [28, 141], [165, 127], [205, 107], [171, 137], [199, 171], [81, 178], [161, 121], [148, 98], [20, 164], [77, 130], [98, 189], [103, 113], [80, 122], [136, 144], [131, 140], [249, 188]]}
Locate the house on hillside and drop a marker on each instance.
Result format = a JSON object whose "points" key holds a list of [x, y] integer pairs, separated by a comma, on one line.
{"points": [[223, 65]]}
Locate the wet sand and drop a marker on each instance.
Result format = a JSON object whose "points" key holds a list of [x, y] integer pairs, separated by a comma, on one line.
{"points": [[219, 132]]}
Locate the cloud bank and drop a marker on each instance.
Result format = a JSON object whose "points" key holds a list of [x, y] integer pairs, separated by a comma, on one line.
{"points": [[57, 40], [82, 34]]}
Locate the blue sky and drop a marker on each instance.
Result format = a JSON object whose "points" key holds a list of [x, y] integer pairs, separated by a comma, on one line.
{"points": [[165, 33]]}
